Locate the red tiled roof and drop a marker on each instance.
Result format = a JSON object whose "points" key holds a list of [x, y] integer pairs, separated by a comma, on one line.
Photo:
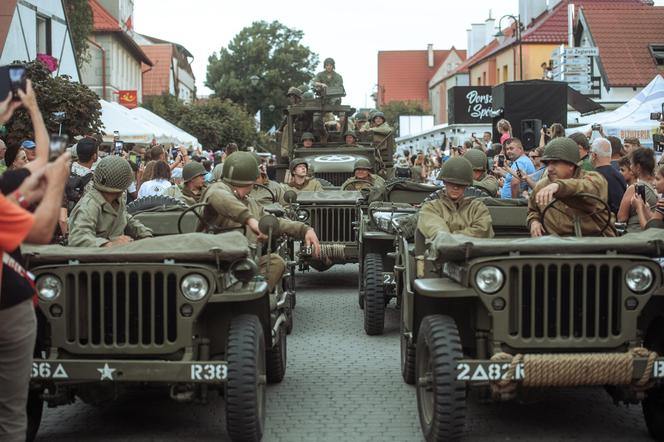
{"points": [[623, 35], [157, 80], [102, 20], [405, 75], [7, 9]]}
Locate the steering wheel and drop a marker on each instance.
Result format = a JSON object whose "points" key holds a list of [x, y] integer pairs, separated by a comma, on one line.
{"points": [[356, 181], [263, 186], [193, 208], [576, 221]]}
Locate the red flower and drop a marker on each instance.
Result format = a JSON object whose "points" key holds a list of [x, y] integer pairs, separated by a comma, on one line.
{"points": [[49, 61]]}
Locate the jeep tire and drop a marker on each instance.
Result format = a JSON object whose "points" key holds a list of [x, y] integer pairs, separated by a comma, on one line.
{"points": [[245, 386], [441, 402], [374, 296], [275, 358], [34, 409], [407, 358], [152, 202]]}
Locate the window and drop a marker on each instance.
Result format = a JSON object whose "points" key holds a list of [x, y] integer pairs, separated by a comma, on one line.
{"points": [[479, 81], [43, 35], [505, 73], [497, 75], [484, 78], [657, 52]]}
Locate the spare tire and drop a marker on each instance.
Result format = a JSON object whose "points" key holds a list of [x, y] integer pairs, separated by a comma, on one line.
{"points": [[155, 203]]}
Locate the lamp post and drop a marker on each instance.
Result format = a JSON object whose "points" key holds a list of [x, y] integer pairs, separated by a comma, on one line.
{"points": [[517, 36]]}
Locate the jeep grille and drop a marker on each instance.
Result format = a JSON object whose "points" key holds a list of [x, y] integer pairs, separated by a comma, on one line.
{"points": [[333, 224], [569, 301], [121, 309], [336, 178]]}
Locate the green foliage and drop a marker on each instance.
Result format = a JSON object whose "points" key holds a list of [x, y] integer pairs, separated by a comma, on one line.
{"points": [[393, 109], [215, 122], [79, 16], [57, 94], [270, 51]]}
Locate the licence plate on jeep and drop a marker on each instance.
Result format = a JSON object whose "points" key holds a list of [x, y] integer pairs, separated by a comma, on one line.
{"points": [[388, 278], [475, 371]]}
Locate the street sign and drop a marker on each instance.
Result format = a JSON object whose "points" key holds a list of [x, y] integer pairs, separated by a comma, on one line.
{"points": [[576, 70], [577, 61], [587, 52]]}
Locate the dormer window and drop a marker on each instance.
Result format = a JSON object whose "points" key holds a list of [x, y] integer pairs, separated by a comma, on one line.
{"points": [[657, 52]]}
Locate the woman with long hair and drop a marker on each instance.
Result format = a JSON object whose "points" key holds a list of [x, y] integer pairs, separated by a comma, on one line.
{"points": [[642, 162], [504, 129], [161, 180]]}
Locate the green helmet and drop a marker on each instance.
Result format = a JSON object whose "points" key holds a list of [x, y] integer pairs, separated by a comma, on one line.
{"points": [[294, 91], [328, 60], [240, 169], [563, 149], [477, 159], [307, 136], [351, 133], [360, 116], [191, 170], [457, 170], [296, 162], [112, 174], [362, 163]]}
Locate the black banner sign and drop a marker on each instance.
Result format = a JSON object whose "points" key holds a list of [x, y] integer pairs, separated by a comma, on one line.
{"points": [[469, 105]]}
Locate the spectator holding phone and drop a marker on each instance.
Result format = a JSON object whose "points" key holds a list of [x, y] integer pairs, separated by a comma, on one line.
{"points": [[645, 214], [514, 186], [642, 161], [600, 155]]}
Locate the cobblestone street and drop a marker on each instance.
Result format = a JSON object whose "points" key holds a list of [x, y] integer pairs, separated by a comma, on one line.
{"points": [[342, 385]]}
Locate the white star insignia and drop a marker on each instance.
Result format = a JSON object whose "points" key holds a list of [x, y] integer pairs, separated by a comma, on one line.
{"points": [[106, 372]]}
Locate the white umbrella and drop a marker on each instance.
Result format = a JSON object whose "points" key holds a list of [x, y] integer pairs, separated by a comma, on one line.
{"points": [[182, 136]]}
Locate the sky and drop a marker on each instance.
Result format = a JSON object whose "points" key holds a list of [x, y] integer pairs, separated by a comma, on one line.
{"points": [[351, 33]]}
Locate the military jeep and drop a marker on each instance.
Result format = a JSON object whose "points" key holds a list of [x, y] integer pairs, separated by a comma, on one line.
{"points": [[376, 245], [187, 312], [514, 313]]}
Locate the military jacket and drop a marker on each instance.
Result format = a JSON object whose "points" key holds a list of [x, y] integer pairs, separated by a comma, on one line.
{"points": [[263, 196], [488, 183], [228, 211], [467, 216], [335, 80], [383, 129], [309, 185], [94, 221], [184, 194], [561, 224], [372, 181]]}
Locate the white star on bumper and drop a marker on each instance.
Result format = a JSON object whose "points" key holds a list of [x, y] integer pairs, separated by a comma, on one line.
{"points": [[106, 372]]}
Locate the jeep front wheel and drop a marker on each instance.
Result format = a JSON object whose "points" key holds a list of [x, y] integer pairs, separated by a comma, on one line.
{"points": [[245, 386], [407, 358], [374, 297], [441, 402]]}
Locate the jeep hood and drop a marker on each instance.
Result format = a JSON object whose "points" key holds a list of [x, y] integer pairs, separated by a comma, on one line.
{"points": [[329, 197]]}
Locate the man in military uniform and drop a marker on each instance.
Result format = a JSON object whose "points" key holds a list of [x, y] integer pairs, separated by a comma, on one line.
{"points": [[452, 212], [379, 126], [564, 180], [193, 175], [481, 179], [300, 180], [350, 139], [231, 207], [261, 195], [362, 177], [100, 218], [361, 122], [328, 78], [307, 139]]}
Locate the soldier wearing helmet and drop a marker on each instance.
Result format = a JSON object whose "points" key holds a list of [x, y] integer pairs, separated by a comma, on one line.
{"points": [[328, 78], [307, 139], [361, 122], [190, 191], [481, 179], [294, 95], [100, 218], [231, 207], [350, 139], [300, 181], [565, 179], [262, 195], [362, 177], [451, 212]]}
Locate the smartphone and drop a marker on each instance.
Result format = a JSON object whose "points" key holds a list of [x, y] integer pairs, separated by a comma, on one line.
{"points": [[118, 147], [596, 126], [518, 171], [501, 160], [17, 79], [57, 146], [641, 191]]}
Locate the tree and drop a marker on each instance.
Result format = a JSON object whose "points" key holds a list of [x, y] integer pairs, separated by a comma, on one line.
{"points": [[167, 106], [273, 53], [394, 109], [79, 16], [57, 94]]}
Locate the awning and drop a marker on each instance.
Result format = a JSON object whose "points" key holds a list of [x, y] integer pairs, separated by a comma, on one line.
{"points": [[579, 102]]}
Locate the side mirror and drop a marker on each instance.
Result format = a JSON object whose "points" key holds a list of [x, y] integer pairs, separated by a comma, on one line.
{"points": [[290, 196], [269, 224]]}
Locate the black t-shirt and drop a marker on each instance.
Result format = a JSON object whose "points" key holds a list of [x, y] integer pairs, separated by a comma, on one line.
{"points": [[617, 185]]}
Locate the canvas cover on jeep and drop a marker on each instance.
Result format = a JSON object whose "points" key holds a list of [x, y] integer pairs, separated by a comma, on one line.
{"points": [[404, 191], [329, 197], [455, 247], [188, 247]]}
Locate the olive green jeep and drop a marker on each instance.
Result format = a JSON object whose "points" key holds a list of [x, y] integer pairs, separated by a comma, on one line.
{"points": [[514, 313], [184, 311]]}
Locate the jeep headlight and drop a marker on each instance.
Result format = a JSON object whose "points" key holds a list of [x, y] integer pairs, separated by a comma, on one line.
{"points": [[244, 270], [383, 220], [49, 287], [639, 278], [489, 279], [194, 287], [302, 215]]}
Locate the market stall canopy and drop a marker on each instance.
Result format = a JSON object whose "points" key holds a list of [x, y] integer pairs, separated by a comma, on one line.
{"points": [[182, 136], [632, 119], [131, 128]]}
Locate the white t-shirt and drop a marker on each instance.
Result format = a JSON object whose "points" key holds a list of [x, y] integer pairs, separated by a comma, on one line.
{"points": [[153, 187]]}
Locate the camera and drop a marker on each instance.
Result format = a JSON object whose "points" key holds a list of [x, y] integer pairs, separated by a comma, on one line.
{"points": [[57, 146], [641, 190], [658, 143], [501, 160], [657, 116], [12, 79], [596, 126], [545, 126]]}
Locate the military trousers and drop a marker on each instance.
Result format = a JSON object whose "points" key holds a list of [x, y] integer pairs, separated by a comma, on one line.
{"points": [[18, 331], [274, 271]]}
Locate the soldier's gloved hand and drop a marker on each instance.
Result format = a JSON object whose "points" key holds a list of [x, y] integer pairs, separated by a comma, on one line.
{"points": [[311, 239], [252, 223], [536, 229], [547, 194]]}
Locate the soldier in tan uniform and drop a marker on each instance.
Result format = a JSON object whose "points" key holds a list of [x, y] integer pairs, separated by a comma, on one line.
{"points": [[350, 139], [300, 180], [100, 218], [481, 179], [189, 192], [262, 195], [452, 212], [231, 207], [362, 177], [564, 180], [307, 139]]}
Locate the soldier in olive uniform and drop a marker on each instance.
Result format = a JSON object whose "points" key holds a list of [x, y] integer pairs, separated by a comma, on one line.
{"points": [[362, 177], [379, 126], [481, 179], [564, 180], [300, 180], [307, 139], [350, 139], [361, 122], [100, 218], [452, 212], [261, 195], [189, 192], [328, 78], [231, 207]]}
